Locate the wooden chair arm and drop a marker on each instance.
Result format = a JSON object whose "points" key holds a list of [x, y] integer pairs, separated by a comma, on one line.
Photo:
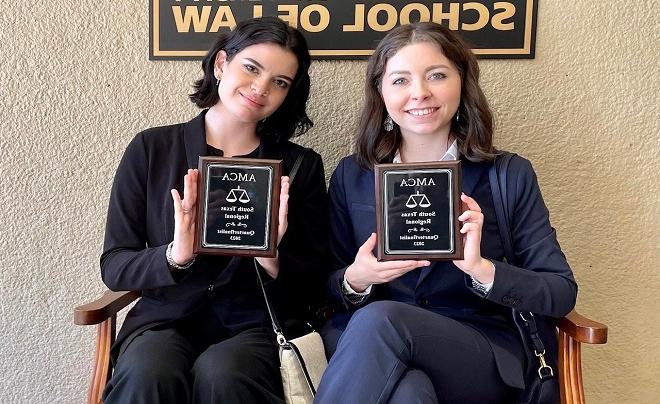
{"points": [[102, 311], [103, 308], [575, 329], [583, 329]]}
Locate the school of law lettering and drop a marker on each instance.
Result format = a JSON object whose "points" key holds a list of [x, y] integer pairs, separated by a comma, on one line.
{"points": [[184, 29], [418, 212], [237, 207]]}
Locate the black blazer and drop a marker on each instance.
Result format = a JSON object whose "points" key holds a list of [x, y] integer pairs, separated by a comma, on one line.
{"points": [[543, 284], [140, 225]]}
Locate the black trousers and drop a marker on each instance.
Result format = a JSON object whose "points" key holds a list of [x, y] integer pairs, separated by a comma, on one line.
{"points": [[393, 352], [178, 365]]}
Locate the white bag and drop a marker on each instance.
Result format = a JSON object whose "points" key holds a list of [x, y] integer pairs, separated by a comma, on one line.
{"points": [[298, 374]]}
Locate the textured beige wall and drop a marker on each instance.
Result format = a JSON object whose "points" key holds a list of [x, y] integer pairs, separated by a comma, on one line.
{"points": [[77, 85]]}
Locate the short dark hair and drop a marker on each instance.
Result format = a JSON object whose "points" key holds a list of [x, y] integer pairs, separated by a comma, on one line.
{"points": [[290, 119], [474, 129]]}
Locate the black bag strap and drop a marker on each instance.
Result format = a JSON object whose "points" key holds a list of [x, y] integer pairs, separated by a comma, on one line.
{"points": [[271, 313], [497, 178], [497, 175], [281, 339], [296, 164]]}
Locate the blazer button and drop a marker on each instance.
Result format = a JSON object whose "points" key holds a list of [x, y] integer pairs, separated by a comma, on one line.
{"points": [[211, 287]]}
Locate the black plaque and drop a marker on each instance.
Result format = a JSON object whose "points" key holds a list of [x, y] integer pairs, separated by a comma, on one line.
{"points": [[417, 210], [238, 201]]}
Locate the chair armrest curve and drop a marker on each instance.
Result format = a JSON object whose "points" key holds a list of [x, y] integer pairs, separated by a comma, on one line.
{"points": [[104, 307], [583, 329]]}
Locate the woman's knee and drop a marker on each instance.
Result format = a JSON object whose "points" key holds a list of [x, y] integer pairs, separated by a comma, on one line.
{"points": [[379, 315], [209, 370], [154, 362], [156, 380], [218, 367], [151, 371], [221, 376]]}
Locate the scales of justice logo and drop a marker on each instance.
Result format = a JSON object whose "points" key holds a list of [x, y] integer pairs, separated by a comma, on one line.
{"points": [[418, 199], [238, 194]]}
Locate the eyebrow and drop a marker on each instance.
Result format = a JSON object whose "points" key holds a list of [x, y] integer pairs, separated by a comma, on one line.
{"points": [[427, 70], [282, 76]]}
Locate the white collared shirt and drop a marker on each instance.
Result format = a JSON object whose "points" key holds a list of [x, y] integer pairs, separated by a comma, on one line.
{"points": [[450, 154]]}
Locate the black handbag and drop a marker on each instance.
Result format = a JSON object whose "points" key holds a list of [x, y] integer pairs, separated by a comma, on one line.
{"points": [[541, 385]]}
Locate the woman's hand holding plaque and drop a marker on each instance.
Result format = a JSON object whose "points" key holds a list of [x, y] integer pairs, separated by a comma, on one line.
{"points": [[185, 214]]}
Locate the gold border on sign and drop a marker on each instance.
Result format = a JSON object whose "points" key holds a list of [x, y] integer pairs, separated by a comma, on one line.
{"points": [[525, 50], [527, 41]]}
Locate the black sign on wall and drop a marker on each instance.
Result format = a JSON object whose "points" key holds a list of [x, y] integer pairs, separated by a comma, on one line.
{"points": [[342, 29]]}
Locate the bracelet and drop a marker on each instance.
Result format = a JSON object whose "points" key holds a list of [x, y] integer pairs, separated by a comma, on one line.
{"points": [[170, 260], [483, 288]]}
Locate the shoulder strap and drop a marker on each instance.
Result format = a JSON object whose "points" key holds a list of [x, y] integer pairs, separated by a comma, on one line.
{"points": [[276, 326], [296, 164], [497, 177], [281, 339]]}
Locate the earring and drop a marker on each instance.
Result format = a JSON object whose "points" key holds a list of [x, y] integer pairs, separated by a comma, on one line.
{"points": [[458, 115], [388, 124], [217, 81]]}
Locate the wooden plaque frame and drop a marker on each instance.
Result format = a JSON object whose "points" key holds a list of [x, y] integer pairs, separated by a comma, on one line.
{"points": [[453, 168], [274, 171]]}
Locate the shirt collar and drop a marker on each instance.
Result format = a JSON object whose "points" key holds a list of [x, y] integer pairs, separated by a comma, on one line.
{"points": [[450, 154]]}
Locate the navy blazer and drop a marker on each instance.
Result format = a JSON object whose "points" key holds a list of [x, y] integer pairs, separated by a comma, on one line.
{"points": [[140, 225], [542, 284]]}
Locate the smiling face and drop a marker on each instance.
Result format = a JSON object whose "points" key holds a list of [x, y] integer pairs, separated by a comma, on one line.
{"points": [[255, 82], [421, 90]]}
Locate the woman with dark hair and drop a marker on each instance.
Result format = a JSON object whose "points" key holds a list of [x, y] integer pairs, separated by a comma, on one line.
{"points": [[413, 331], [201, 331]]}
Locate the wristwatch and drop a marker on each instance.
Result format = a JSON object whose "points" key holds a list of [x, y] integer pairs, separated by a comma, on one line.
{"points": [[479, 287], [352, 296]]}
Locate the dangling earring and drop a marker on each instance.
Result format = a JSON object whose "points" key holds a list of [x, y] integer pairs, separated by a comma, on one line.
{"points": [[388, 124], [458, 114], [217, 81]]}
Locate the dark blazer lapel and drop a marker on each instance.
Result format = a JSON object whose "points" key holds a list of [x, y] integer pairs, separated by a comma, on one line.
{"points": [[194, 139], [471, 173], [269, 150]]}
